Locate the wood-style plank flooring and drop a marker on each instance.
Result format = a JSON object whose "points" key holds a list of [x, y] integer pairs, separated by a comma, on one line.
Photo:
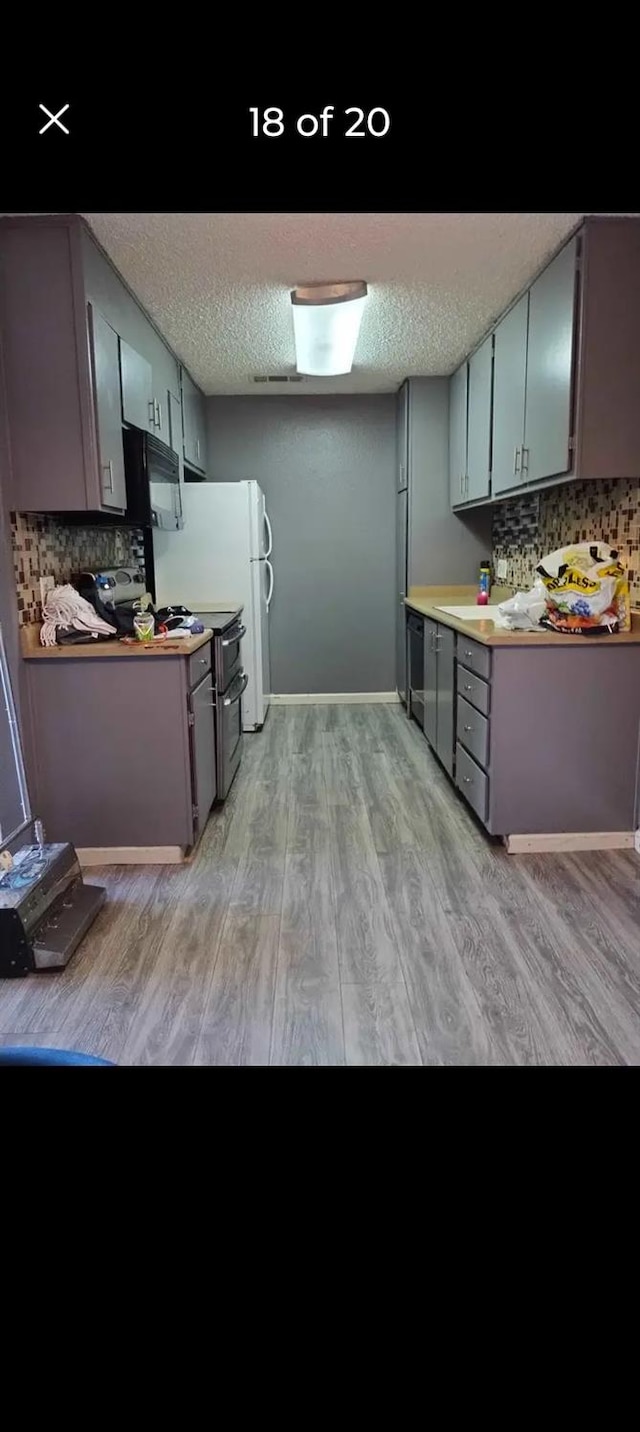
{"points": [[345, 908]]}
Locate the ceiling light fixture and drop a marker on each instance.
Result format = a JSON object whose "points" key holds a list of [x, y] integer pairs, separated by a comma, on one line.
{"points": [[326, 322]]}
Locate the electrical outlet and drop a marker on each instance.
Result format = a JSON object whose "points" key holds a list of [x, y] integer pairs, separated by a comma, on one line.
{"points": [[47, 585], [501, 569]]}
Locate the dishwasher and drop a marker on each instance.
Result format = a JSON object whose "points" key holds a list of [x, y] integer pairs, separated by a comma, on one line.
{"points": [[415, 703]]}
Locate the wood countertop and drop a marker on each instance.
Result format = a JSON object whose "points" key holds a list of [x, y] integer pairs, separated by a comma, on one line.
{"points": [[100, 650], [426, 600]]}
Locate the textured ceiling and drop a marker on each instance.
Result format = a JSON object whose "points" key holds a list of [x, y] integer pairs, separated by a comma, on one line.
{"points": [[218, 286]]}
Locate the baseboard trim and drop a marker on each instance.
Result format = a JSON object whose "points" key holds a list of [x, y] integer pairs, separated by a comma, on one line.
{"points": [[566, 841], [131, 855], [337, 698]]}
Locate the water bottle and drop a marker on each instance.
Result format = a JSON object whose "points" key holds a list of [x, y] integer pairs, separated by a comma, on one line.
{"points": [[484, 586]]}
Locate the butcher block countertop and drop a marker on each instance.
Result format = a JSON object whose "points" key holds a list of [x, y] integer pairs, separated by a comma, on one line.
{"points": [[427, 600], [100, 650]]}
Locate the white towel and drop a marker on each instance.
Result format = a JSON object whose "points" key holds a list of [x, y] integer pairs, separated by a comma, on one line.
{"points": [[65, 607]]}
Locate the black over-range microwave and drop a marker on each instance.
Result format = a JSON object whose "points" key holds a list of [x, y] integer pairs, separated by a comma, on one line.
{"points": [[153, 481]]}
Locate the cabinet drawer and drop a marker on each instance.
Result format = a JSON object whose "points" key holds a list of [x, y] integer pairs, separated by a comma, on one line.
{"points": [[474, 656], [199, 664], [472, 783], [472, 730], [474, 689]]}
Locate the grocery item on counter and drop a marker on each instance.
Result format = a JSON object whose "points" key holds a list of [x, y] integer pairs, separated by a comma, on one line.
{"points": [[586, 590]]}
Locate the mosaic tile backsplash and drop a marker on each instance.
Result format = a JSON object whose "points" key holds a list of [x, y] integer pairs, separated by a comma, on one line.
{"points": [[526, 527], [47, 547]]}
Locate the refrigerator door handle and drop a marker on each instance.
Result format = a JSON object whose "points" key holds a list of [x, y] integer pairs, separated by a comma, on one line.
{"points": [[270, 570], [269, 534]]}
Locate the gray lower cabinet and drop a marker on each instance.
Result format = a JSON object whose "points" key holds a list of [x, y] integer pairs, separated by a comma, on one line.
{"points": [[194, 424], [458, 397], [563, 764], [104, 779], [439, 687], [138, 407], [203, 753], [108, 419], [446, 720]]}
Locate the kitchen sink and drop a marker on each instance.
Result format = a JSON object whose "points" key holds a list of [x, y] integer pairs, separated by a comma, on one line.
{"points": [[471, 612]]}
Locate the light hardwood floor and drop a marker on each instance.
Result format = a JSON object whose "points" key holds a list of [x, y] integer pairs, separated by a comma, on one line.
{"points": [[344, 907]]}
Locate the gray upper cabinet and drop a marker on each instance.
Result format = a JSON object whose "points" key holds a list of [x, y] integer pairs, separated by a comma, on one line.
{"points": [[509, 390], [566, 372], [63, 309], [479, 422], [138, 407], [458, 397], [106, 374], [547, 428], [402, 439], [194, 424]]}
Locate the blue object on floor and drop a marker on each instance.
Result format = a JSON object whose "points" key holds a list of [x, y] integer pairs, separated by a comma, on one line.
{"points": [[23, 1054]]}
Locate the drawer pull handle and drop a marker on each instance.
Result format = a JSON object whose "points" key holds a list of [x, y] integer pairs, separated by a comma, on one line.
{"points": [[468, 780], [468, 728], [467, 687]]}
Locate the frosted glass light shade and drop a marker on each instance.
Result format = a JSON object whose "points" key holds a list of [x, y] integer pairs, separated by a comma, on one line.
{"points": [[326, 323]]}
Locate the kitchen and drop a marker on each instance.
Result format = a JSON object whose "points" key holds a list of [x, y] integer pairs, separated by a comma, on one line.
{"points": [[344, 902]]}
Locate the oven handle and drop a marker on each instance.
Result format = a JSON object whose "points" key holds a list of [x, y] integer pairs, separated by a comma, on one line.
{"points": [[234, 636], [231, 700]]}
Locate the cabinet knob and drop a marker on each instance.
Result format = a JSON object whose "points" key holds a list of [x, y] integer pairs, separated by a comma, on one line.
{"points": [[468, 728], [468, 780], [469, 654], [466, 687]]}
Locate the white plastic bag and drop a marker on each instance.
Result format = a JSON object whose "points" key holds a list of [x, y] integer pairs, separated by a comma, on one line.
{"points": [[523, 611]]}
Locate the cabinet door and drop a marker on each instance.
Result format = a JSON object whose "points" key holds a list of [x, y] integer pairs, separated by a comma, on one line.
{"points": [[550, 368], [402, 438], [479, 423], [445, 735], [174, 437], [431, 681], [401, 649], [458, 436], [203, 750], [509, 382], [106, 378], [401, 592], [137, 388], [193, 419]]}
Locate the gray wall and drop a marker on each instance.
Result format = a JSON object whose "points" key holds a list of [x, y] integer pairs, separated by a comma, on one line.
{"points": [[327, 467]]}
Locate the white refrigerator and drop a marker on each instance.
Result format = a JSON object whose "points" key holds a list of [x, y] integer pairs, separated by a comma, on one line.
{"points": [[221, 556]]}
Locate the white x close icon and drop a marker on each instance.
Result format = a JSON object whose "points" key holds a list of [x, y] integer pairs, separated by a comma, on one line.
{"points": [[53, 118]]}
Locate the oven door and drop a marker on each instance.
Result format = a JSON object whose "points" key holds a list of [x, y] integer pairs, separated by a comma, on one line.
{"points": [[228, 655], [229, 731]]}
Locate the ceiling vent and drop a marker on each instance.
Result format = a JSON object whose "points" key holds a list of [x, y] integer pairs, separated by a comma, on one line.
{"points": [[278, 378]]}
